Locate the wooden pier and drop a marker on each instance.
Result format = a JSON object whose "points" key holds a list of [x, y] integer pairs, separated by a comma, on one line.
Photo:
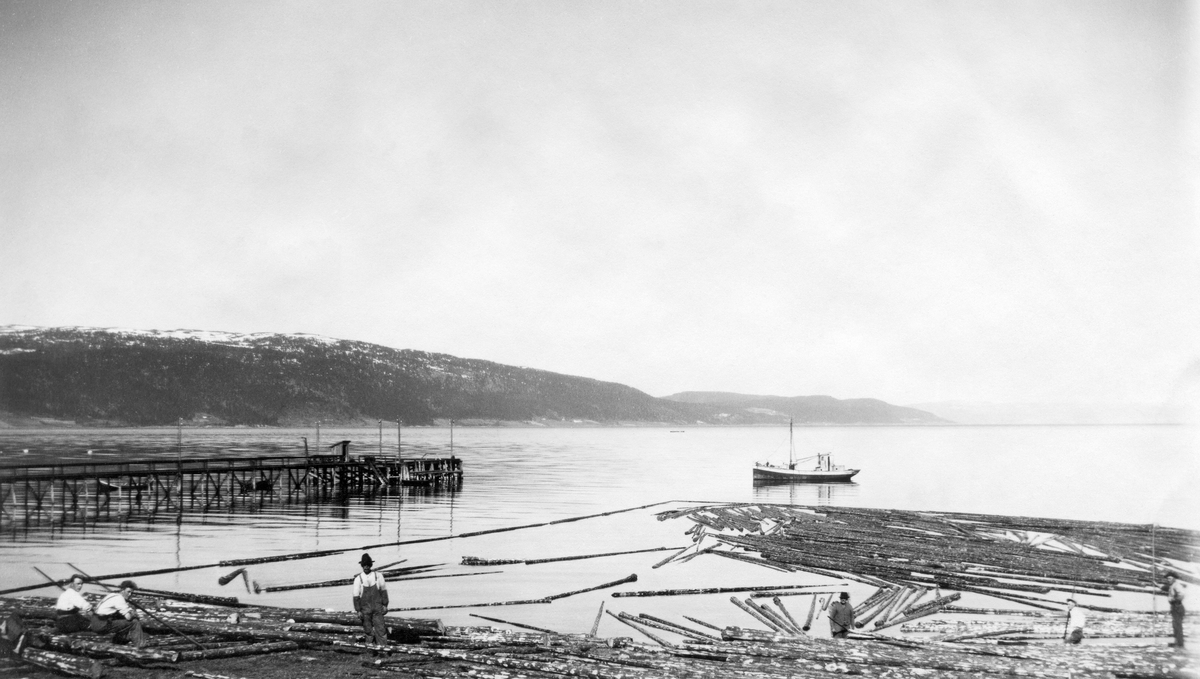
{"points": [[73, 489]]}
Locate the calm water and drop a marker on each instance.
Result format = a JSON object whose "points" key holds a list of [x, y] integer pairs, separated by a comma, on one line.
{"points": [[1137, 474]]}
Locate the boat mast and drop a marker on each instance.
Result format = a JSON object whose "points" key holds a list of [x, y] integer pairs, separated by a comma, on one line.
{"points": [[791, 447]]}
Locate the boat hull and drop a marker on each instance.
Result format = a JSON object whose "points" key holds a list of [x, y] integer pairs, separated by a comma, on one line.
{"points": [[785, 475]]}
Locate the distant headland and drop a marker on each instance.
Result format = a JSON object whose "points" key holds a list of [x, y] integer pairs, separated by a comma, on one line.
{"points": [[75, 376]]}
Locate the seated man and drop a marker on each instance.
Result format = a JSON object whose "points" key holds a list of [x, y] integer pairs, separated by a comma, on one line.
{"points": [[72, 613], [114, 615]]}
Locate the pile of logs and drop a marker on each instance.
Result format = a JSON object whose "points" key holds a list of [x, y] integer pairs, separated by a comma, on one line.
{"points": [[910, 553], [734, 651], [180, 633]]}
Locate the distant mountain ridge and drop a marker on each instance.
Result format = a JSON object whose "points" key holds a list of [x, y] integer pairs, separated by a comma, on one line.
{"points": [[151, 377], [813, 409]]}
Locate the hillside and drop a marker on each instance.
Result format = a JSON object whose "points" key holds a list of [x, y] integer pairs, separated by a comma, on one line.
{"points": [[810, 409], [106, 376]]}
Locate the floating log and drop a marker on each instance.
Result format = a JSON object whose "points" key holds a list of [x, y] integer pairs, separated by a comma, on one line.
{"points": [[518, 602], [811, 608], [923, 610], [982, 635], [655, 623], [228, 577], [780, 623], [677, 628], [596, 624], [880, 607], [706, 624], [657, 639], [769, 594], [227, 601], [667, 559], [514, 624], [476, 561], [716, 590], [239, 651], [446, 575], [759, 616], [531, 562], [629, 578], [784, 610], [342, 582]]}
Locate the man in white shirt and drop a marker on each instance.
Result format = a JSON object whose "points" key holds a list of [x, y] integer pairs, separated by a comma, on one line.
{"points": [[371, 601], [72, 613], [1076, 619], [1175, 594], [114, 615]]}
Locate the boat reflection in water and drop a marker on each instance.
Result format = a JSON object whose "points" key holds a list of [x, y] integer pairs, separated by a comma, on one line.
{"points": [[776, 492]]}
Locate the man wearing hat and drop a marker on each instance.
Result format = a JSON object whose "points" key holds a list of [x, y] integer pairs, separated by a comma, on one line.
{"points": [[371, 601], [115, 615], [841, 617]]}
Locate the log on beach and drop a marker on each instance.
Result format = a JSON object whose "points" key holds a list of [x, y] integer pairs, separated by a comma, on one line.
{"points": [[423, 626], [101, 649], [239, 650], [63, 663]]}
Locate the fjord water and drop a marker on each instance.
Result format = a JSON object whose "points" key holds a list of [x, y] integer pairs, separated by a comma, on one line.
{"points": [[517, 476]]}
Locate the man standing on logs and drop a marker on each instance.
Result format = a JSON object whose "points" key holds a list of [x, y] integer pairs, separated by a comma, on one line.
{"points": [[114, 615], [1076, 619], [72, 613], [841, 617], [371, 601], [1175, 592]]}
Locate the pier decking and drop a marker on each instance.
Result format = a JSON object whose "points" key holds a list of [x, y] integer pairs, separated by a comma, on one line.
{"points": [[162, 484]]}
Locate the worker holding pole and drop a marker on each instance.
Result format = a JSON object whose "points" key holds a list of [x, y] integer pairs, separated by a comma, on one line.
{"points": [[115, 615], [841, 617], [1076, 619]]}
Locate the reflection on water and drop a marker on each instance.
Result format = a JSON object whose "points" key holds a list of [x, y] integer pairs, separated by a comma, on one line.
{"points": [[805, 493], [127, 510]]}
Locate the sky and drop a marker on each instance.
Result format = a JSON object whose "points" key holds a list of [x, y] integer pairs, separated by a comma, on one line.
{"points": [[915, 201]]}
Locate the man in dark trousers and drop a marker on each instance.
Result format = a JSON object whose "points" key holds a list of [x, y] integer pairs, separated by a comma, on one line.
{"points": [[1175, 593], [72, 613], [841, 617], [371, 601], [1076, 619], [115, 616]]}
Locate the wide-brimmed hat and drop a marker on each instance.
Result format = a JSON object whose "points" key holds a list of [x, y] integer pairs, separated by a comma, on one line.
{"points": [[365, 560]]}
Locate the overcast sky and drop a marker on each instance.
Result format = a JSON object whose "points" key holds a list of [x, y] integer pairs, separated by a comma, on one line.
{"points": [[914, 201]]}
